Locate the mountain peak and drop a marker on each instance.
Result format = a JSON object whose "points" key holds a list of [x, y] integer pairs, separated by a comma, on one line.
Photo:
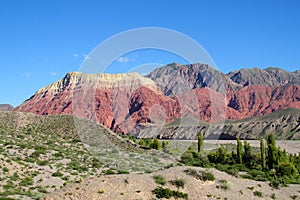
{"points": [[107, 80]]}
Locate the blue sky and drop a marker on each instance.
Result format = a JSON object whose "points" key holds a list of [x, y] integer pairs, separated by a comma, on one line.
{"points": [[40, 41]]}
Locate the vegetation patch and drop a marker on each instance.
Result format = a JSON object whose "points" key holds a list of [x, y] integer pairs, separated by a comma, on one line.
{"points": [[159, 179], [200, 175], [258, 193], [223, 184], [267, 163], [179, 183], [167, 193]]}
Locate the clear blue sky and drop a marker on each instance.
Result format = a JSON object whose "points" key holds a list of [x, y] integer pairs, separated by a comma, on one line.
{"points": [[40, 41]]}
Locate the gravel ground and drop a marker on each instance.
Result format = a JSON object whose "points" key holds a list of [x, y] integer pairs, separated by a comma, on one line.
{"points": [[139, 186]]}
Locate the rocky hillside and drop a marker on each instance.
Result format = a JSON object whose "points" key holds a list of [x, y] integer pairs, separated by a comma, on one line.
{"points": [[267, 77], [41, 154], [284, 123], [175, 78], [125, 102]]}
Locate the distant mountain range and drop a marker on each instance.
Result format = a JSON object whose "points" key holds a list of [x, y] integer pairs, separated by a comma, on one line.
{"points": [[129, 103], [6, 107]]}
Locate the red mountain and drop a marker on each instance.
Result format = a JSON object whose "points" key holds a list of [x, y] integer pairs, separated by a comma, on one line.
{"points": [[124, 101]]}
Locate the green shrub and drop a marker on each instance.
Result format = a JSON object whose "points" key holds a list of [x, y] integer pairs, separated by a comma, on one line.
{"points": [[109, 172], [14, 177], [57, 174], [40, 149], [9, 185], [167, 193], [179, 183], [258, 193], [273, 196], [159, 179], [76, 166], [5, 169], [250, 188], [142, 142], [286, 169], [35, 155], [274, 184], [42, 162], [230, 169], [164, 144], [155, 144], [26, 181], [224, 185], [200, 175], [122, 172]]}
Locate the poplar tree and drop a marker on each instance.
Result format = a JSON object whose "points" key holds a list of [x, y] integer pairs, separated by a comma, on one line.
{"points": [[272, 151], [239, 151], [247, 157], [200, 142], [263, 153], [156, 144]]}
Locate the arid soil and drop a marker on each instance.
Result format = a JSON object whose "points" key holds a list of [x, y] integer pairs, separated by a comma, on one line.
{"points": [[139, 186]]}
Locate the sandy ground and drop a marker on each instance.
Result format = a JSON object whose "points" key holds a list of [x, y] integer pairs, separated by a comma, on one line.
{"points": [[139, 186]]}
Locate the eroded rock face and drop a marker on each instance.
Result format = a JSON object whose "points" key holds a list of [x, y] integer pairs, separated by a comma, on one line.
{"points": [[122, 102], [257, 100], [100, 97]]}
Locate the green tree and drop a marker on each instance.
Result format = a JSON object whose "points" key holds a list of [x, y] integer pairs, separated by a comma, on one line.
{"points": [[272, 151], [286, 169], [164, 144], [142, 142], [247, 157], [155, 144], [221, 155], [200, 142], [239, 151], [263, 153]]}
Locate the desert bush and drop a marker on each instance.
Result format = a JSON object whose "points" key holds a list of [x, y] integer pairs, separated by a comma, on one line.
{"points": [[15, 177], [9, 185], [109, 172], [167, 193], [5, 169], [273, 196], [57, 174], [255, 174], [159, 179], [224, 185], [179, 183], [258, 193], [200, 175], [26, 181], [122, 172]]}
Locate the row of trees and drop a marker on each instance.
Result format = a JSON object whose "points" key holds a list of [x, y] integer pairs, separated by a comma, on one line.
{"points": [[270, 158], [147, 142]]}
